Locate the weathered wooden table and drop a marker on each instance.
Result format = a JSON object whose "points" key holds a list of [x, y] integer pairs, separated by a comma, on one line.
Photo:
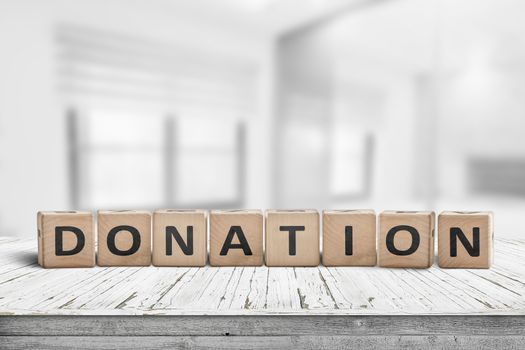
{"points": [[261, 307]]}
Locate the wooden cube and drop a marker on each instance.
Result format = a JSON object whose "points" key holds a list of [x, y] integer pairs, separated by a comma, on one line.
{"points": [[236, 238], [349, 238], [465, 239], [65, 239], [180, 237], [406, 239], [292, 238], [124, 238]]}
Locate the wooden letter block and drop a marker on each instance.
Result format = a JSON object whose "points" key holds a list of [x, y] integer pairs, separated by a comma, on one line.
{"points": [[349, 238], [124, 238], [180, 237], [292, 238], [406, 239], [65, 239], [236, 238], [465, 239]]}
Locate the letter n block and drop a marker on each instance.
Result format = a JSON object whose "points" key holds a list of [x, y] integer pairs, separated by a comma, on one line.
{"points": [[292, 238], [236, 238], [465, 239], [406, 239], [65, 239], [349, 238], [180, 237], [124, 238]]}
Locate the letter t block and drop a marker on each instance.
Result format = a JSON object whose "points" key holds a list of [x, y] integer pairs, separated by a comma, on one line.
{"points": [[292, 238]]}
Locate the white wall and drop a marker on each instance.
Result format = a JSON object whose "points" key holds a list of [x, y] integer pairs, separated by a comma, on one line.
{"points": [[33, 157], [482, 115], [322, 84], [382, 102], [33, 154]]}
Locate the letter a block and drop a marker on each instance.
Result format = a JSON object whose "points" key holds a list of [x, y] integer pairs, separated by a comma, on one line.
{"points": [[292, 238], [180, 237], [406, 239], [65, 239], [349, 238], [236, 238], [465, 239], [124, 238]]}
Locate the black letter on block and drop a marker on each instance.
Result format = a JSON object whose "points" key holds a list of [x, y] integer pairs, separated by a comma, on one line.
{"points": [[291, 237], [349, 248], [111, 240], [390, 240], [243, 243], [187, 249], [59, 239], [472, 250]]}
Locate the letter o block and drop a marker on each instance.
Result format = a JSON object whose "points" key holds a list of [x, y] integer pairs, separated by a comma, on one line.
{"points": [[406, 239], [65, 239], [465, 239], [292, 238], [236, 238], [124, 238]]}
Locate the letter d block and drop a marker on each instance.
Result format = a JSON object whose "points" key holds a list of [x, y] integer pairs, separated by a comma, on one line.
{"points": [[465, 239], [236, 238], [406, 239], [65, 239], [180, 237], [292, 238], [124, 238]]}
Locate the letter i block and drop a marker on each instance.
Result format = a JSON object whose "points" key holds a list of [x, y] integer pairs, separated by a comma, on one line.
{"points": [[406, 239], [180, 237], [124, 238], [349, 238], [65, 239], [292, 238], [236, 238], [465, 239]]}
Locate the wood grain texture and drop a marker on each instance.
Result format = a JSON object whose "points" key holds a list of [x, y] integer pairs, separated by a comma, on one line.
{"points": [[46, 225], [260, 307], [305, 251], [363, 238], [28, 289], [403, 240], [250, 226], [268, 342], [467, 222], [262, 325], [140, 222], [197, 220]]}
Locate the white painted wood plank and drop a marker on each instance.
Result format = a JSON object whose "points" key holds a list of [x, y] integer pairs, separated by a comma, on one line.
{"points": [[182, 289], [25, 288], [313, 290], [281, 291], [251, 293], [147, 295]]}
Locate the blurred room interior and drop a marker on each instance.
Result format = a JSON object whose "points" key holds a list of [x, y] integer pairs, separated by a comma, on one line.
{"points": [[391, 104]]}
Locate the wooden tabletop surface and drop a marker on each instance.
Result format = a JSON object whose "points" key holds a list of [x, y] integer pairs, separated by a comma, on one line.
{"points": [[28, 289]]}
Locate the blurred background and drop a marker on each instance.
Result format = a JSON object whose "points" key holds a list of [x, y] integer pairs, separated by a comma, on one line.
{"points": [[393, 104]]}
